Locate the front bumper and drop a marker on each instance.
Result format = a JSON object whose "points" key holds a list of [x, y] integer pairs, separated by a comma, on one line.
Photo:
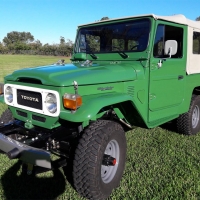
{"points": [[27, 154]]}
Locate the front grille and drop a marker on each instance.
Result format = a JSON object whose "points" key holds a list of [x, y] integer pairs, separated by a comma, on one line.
{"points": [[29, 99], [38, 118], [20, 113]]}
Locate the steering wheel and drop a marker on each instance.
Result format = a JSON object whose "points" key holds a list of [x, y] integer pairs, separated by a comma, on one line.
{"points": [[134, 46]]}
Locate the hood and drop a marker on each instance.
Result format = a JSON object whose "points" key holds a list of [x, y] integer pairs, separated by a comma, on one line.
{"points": [[64, 75]]}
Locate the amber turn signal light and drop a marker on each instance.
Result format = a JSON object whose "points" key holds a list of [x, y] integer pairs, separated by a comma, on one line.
{"points": [[72, 101], [1, 88]]}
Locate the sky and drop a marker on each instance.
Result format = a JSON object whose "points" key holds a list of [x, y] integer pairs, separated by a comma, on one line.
{"points": [[48, 20]]}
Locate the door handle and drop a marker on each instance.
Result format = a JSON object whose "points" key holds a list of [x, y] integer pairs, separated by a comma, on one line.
{"points": [[160, 63], [180, 77]]}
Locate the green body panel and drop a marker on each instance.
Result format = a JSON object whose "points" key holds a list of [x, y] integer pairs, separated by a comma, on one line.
{"points": [[2, 99], [130, 83], [65, 75], [92, 105], [50, 122], [166, 91]]}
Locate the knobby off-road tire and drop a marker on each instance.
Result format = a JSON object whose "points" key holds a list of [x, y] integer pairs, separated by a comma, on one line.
{"points": [[6, 117], [92, 179], [189, 123]]}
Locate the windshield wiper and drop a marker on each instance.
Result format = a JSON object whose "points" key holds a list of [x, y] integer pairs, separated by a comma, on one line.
{"points": [[93, 55], [121, 52], [88, 50]]}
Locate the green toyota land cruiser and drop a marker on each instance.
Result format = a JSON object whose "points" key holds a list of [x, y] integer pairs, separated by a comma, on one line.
{"points": [[135, 71]]}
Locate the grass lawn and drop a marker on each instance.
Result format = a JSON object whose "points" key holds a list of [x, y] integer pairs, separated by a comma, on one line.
{"points": [[9, 63], [161, 164]]}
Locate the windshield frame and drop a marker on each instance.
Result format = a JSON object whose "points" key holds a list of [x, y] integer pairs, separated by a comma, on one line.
{"points": [[124, 34]]}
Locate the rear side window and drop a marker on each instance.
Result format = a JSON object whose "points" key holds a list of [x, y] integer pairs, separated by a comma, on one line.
{"points": [[164, 33], [196, 42]]}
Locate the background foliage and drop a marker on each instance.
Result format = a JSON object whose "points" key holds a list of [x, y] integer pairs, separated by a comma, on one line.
{"points": [[24, 43]]}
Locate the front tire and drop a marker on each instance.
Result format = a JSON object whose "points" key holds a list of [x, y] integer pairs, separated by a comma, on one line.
{"points": [[189, 123], [6, 117], [93, 179]]}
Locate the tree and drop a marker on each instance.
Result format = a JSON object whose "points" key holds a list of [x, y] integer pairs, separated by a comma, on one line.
{"points": [[18, 37], [2, 48], [62, 40], [24, 43], [93, 43], [69, 43], [198, 18], [104, 18]]}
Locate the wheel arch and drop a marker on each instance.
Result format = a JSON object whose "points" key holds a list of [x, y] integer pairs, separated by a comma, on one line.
{"points": [[188, 97], [189, 123], [126, 113], [196, 90], [98, 106]]}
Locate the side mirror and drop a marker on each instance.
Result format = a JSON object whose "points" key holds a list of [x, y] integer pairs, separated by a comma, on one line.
{"points": [[171, 47]]}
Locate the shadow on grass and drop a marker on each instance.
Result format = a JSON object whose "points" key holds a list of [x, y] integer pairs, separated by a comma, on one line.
{"points": [[170, 126], [20, 187]]}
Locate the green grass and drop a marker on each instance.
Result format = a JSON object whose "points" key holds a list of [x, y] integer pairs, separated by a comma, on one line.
{"points": [[161, 164], [9, 63]]}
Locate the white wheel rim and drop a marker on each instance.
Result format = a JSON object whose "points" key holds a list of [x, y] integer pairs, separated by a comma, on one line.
{"points": [[108, 172], [195, 117]]}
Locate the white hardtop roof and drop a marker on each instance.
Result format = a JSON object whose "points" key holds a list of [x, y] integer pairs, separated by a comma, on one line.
{"points": [[180, 19]]}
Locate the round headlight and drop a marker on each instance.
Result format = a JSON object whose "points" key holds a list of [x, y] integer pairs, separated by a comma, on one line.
{"points": [[51, 103], [9, 94]]}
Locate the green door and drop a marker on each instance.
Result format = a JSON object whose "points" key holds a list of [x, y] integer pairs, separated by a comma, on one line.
{"points": [[166, 74]]}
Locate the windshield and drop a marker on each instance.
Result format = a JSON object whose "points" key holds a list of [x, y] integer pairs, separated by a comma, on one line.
{"points": [[124, 36]]}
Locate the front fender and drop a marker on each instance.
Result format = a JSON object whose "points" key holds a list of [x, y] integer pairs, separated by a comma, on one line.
{"points": [[92, 105]]}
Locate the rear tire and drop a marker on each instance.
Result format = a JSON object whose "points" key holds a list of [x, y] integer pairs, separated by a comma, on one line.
{"points": [[92, 178], [189, 123]]}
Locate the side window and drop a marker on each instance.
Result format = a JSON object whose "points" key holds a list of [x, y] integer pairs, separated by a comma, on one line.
{"points": [[164, 33], [196, 43], [159, 42]]}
